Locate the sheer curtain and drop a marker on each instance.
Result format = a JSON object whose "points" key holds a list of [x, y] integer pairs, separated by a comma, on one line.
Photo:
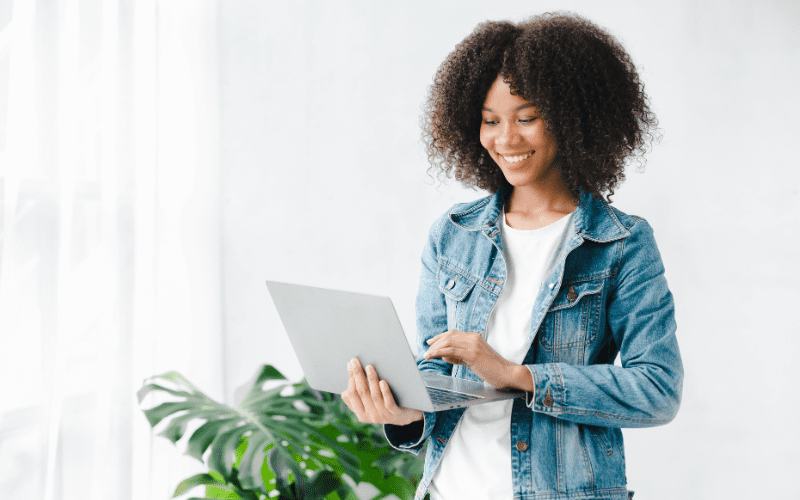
{"points": [[109, 238]]}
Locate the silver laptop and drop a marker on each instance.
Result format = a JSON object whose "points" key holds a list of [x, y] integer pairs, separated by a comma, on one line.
{"points": [[328, 328]]}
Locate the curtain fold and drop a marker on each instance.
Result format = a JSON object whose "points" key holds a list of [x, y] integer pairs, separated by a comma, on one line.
{"points": [[110, 263]]}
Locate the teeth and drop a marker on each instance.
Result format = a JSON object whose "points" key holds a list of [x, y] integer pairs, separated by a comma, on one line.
{"points": [[515, 159]]}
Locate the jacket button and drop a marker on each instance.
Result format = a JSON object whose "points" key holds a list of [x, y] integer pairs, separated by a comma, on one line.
{"points": [[548, 400], [571, 296], [451, 283], [522, 445]]}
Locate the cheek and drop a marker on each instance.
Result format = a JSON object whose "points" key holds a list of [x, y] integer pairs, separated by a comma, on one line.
{"points": [[485, 138]]}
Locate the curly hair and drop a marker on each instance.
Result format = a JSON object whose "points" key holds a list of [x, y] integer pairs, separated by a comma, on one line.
{"points": [[583, 82]]}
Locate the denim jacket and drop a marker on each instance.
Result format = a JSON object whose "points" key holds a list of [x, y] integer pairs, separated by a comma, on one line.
{"points": [[606, 294]]}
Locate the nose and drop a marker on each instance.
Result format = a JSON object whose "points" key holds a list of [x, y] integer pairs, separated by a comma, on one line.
{"points": [[507, 134]]}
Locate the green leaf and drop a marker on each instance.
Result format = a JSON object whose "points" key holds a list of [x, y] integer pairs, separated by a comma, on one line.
{"points": [[204, 435], [252, 461], [223, 450], [148, 388], [323, 483], [253, 386], [199, 480], [160, 412], [176, 428], [283, 464]]}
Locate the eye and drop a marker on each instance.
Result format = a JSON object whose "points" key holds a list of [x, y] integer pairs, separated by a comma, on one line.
{"points": [[527, 120], [490, 122]]}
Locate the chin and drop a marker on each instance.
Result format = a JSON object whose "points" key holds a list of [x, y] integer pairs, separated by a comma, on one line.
{"points": [[517, 179]]}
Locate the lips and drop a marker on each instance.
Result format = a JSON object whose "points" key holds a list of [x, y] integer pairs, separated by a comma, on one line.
{"points": [[515, 158]]}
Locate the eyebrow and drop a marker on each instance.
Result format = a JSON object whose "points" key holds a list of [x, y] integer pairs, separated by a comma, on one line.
{"points": [[527, 105]]}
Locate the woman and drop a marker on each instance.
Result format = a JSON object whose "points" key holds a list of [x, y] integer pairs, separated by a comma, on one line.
{"points": [[540, 285]]}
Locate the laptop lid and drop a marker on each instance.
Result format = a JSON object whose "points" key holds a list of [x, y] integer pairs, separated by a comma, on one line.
{"points": [[328, 328]]}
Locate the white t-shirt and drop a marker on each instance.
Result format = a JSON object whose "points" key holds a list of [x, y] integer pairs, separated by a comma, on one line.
{"points": [[477, 460]]}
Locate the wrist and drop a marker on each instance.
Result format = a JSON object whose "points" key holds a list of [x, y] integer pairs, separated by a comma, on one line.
{"points": [[521, 378]]}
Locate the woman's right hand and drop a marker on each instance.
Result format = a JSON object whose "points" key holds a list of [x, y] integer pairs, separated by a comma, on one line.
{"points": [[371, 399]]}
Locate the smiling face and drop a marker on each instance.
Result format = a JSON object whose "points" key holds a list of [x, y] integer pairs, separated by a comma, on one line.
{"points": [[517, 138]]}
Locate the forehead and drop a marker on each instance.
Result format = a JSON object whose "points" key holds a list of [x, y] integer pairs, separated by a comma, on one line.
{"points": [[500, 99]]}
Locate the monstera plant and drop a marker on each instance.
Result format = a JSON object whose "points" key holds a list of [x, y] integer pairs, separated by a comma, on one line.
{"points": [[285, 441]]}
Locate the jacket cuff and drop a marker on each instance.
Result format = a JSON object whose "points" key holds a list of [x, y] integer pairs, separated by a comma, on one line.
{"points": [[410, 437], [549, 393], [530, 397]]}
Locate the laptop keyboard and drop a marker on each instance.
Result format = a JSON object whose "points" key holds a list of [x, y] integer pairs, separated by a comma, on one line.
{"points": [[442, 396]]}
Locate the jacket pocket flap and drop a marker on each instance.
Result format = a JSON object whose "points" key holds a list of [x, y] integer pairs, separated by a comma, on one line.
{"points": [[454, 284], [572, 293]]}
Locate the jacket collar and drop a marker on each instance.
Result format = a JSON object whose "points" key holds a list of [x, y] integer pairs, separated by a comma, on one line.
{"points": [[593, 219]]}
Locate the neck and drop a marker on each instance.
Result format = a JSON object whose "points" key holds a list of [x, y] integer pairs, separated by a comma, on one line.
{"points": [[533, 200]]}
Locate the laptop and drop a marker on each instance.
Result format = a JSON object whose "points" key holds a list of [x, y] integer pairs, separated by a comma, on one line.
{"points": [[328, 328]]}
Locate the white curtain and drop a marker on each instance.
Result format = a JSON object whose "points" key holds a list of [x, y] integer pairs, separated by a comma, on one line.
{"points": [[109, 238]]}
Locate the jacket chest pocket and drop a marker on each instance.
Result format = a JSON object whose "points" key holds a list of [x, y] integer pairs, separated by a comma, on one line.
{"points": [[573, 319], [456, 288]]}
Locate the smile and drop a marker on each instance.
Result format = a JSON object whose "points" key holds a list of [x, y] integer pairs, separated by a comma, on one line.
{"points": [[515, 159]]}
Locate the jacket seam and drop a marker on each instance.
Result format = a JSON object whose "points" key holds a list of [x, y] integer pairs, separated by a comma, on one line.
{"points": [[582, 411], [581, 279], [475, 280]]}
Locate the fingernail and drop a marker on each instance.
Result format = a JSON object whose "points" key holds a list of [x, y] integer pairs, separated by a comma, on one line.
{"points": [[430, 341]]}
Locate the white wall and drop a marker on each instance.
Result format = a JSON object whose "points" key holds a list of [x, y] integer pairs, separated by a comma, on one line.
{"points": [[324, 183]]}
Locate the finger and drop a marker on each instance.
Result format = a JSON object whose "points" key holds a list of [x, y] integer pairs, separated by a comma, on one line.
{"points": [[362, 389], [388, 398], [436, 350], [431, 353], [440, 336], [350, 396], [375, 389]]}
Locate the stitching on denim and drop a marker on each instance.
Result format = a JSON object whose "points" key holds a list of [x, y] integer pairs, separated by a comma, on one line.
{"points": [[587, 462], [594, 430], [585, 316], [446, 263], [591, 336], [479, 206], [586, 303], [561, 389], [570, 305], [611, 416], [614, 217], [558, 456], [578, 494], [590, 277], [472, 314], [478, 281]]}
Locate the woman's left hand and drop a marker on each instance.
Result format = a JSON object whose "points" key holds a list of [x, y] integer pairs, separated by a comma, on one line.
{"points": [[471, 350]]}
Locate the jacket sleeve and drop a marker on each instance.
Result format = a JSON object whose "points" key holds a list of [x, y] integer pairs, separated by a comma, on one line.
{"points": [[646, 390], [431, 311]]}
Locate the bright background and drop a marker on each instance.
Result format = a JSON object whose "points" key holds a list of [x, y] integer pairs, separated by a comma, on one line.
{"points": [[160, 159]]}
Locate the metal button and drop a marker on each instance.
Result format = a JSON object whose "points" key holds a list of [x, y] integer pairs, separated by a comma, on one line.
{"points": [[548, 400], [451, 283], [522, 445], [571, 296], [550, 285]]}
